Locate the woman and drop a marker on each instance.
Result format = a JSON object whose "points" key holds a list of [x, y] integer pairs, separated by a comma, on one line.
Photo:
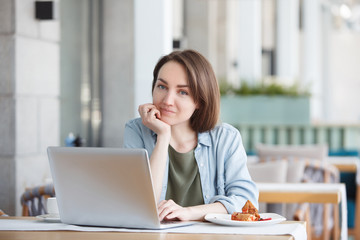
{"points": [[197, 166]]}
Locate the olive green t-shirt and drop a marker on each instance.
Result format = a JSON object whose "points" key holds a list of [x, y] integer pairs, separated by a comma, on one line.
{"points": [[184, 186]]}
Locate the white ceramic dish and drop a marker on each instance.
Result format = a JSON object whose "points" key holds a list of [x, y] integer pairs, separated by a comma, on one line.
{"points": [[225, 219], [49, 217]]}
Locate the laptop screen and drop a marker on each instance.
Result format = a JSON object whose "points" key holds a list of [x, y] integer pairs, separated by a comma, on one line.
{"points": [[104, 187]]}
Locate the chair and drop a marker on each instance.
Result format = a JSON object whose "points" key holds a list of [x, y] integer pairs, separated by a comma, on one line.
{"points": [[321, 172], [33, 200], [315, 169], [316, 151], [277, 172], [259, 172]]}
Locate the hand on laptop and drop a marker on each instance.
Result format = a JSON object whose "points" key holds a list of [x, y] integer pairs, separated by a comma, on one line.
{"points": [[169, 210]]}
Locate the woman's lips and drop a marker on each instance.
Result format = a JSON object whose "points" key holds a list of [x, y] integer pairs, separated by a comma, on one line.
{"points": [[167, 111]]}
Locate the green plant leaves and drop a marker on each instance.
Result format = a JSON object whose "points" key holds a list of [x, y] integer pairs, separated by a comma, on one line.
{"points": [[270, 89]]}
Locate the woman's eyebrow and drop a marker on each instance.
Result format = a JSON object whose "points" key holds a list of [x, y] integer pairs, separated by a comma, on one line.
{"points": [[179, 86], [162, 80]]}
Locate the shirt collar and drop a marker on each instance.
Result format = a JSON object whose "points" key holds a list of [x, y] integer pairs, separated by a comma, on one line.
{"points": [[203, 138]]}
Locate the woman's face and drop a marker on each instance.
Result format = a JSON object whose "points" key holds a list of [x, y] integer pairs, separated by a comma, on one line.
{"points": [[172, 96]]}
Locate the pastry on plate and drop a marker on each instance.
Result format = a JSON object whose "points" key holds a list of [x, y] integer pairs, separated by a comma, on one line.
{"points": [[243, 217]]}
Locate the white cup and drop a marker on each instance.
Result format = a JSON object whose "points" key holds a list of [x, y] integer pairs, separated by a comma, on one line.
{"points": [[52, 207]]}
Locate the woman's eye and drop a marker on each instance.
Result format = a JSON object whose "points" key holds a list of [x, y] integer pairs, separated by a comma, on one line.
{"points": [[184, 93], [161, 86]]}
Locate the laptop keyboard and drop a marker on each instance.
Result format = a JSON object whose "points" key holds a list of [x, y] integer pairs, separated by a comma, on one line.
{"points": [[168, 222]]}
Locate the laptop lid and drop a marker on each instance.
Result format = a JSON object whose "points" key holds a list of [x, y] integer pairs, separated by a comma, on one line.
{"points": [[104, 187]]}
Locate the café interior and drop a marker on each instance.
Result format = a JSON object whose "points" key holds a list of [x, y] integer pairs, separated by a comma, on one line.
{"points": [[72, 73]]}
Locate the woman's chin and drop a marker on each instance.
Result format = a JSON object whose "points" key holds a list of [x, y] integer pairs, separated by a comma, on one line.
{"points": [[167, 121]]}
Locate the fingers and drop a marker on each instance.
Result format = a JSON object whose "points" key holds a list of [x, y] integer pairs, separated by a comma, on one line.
{"points": [[149, 112], [151, 118], [174, 215], [157, 114], [165, 204], [161, 204], [154, 112], [169, 210], [146, 110], [165, 208]]}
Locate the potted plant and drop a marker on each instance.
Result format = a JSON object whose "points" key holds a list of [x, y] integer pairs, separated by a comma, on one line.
{"points": [[267, 102]]}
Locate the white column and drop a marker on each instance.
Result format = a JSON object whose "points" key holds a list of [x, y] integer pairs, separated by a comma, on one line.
{"points": [[153, 38], [178, 19], [213, 26], [232, 40], [118, 70], [201, 28], [326, 84], [311, 72], [29, 100], [220, 35], [249, 52], [287, 45]]}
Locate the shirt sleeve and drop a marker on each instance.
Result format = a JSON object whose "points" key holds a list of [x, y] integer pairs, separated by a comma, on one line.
{"points": [[133, 135], [235, 185]]}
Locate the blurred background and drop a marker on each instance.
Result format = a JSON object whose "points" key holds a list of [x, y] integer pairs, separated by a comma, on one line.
{"points": [[288, 71]]}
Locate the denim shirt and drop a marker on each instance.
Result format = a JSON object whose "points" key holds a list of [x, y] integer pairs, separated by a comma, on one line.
{"points": [[221, 159]]}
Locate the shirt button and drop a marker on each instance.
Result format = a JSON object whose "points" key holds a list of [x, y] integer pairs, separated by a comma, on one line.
{"points": [[207, 196], [201, 164]]}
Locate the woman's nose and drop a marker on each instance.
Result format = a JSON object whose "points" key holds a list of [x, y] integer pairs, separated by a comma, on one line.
{"points": [[169, 98]]}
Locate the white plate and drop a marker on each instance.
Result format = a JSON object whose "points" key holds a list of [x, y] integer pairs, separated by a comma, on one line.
{"points": [[225, 219], [49, 217]]}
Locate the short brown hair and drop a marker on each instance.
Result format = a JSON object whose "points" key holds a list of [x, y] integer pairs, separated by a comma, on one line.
{"points": [[203, 86]]}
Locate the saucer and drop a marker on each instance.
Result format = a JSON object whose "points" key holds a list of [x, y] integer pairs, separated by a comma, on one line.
{"points": [[49, 217]]}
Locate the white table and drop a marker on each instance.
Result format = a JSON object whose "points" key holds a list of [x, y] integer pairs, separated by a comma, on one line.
{"points": [[350, 164], [333, 193], [30, 228], [344, 164]]}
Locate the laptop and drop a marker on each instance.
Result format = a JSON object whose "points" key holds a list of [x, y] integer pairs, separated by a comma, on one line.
{"points": [[109, 187]]}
